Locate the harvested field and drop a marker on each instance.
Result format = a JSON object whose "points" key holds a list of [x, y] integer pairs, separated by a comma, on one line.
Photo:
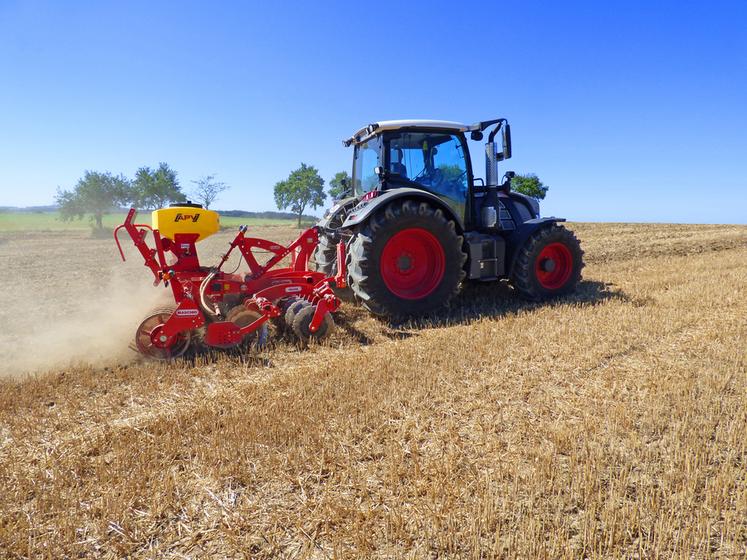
{"points": [[608, 424]]}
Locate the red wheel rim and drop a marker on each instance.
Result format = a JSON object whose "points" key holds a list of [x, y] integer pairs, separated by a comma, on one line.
{"points": [[554, 266], [412, 263]]}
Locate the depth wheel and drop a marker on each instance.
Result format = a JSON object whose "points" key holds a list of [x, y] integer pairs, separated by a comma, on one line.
{"points": [[151, 344], [406, 261], [549, 264]]}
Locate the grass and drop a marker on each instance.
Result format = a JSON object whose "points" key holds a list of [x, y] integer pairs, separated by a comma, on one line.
{"points": [[50, 221], [609, 424]]}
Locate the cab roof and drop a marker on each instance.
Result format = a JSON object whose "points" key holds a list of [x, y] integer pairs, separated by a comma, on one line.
{"points": [[374, 128], [421, 123], [380, 126]]}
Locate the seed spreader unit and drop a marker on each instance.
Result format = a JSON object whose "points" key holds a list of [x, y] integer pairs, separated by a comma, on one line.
{"points": [[222, 309]]}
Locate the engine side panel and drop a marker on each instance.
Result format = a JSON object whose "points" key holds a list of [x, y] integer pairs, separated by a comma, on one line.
{"points": [[486, 256]]}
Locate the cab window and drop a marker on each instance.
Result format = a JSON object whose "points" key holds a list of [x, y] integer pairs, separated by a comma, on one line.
{"points": [[365, 161]]}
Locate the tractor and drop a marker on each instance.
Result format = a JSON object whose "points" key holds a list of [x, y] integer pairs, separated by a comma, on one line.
{"points": [[416, 222]]}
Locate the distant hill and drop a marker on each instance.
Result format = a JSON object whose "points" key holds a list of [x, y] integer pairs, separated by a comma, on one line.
{"points": [[38, 209], [269, 214]]}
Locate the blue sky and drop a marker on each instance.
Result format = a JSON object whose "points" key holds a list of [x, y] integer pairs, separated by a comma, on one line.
{"points": [[630, 111]]}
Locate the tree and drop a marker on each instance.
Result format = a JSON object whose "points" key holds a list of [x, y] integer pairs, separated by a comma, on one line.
{"points": [[154, 189], [303, 189], [453, 174], [529, 185], [207, 190], [339, 185], [96, 194]]}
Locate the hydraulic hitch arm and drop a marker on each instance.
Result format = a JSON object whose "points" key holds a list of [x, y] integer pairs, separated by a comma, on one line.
{"points": [[138, 238]]}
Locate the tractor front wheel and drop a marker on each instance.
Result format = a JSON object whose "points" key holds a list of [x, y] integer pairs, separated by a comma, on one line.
{"points": [[324, 257], [549, 264], [324, 260], [406, 260]]}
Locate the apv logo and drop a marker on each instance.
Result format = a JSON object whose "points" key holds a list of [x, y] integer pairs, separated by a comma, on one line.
{"points": [[180, 217]]}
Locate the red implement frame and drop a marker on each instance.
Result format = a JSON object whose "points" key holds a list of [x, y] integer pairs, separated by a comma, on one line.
{"points": [[262, 288]]}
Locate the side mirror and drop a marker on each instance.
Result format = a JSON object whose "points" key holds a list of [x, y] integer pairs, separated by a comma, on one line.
{"points": [[506, 137], [506, 141], [476, 135]]}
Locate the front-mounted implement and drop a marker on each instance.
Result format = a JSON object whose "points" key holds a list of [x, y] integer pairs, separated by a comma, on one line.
{"points": [[224, 309]]}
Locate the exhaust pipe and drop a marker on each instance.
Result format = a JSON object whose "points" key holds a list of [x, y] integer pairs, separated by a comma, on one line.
{"points": [[491, 162], [492, 156]]}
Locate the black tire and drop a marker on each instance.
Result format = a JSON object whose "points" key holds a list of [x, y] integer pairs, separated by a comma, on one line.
{"points": [[324, 260], [324, 257], [364, 260], [537, 275]]}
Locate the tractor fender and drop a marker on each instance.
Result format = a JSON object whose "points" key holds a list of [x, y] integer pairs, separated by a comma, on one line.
{"points": [[516, 240], [366, 208]]}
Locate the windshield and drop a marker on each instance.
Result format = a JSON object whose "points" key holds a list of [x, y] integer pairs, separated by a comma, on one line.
{"points": [[366, 159], [434, 160]]}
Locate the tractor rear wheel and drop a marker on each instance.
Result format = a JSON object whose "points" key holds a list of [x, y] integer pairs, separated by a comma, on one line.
{"points": [[549, 264], [406, 260]]}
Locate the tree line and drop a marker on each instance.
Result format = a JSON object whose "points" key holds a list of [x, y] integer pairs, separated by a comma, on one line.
{"points": [[98, 193]]}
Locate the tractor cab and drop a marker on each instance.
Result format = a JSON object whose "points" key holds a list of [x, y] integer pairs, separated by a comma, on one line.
{"points": [[430, 156]]}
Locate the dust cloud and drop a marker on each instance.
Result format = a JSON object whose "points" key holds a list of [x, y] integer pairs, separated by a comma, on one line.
{"points": [[92, 326]]}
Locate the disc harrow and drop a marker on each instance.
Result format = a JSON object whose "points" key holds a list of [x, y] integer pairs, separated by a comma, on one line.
{"points": [[229, 310]]}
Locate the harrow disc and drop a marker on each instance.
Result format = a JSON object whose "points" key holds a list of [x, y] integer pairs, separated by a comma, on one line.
{"points": [[302, 323], [150, 343], [241, 317], [293, 310]]}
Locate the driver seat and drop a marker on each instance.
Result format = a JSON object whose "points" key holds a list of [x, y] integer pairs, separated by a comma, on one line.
{"points": [[397, 166]]}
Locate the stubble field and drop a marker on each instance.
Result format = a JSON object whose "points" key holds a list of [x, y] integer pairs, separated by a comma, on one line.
{"points": [[608, 424]]}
